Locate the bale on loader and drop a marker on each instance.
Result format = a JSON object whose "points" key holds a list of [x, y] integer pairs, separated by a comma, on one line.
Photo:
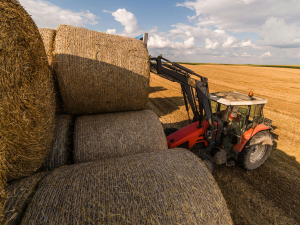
{"points": [[99, 72], [48, 36], [20, 193], [27, 95], [60, 151], [117, 134], [171, 186]]}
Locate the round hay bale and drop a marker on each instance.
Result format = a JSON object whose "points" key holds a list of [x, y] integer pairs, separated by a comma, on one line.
{"points": [[167, 187], [99, 72], [60, 151], [117, 134], [48, 36], [3, 197], [19, 194], [27, 106]]}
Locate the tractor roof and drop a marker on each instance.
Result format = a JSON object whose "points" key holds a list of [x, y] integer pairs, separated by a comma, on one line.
{"points": [[236, 98]]}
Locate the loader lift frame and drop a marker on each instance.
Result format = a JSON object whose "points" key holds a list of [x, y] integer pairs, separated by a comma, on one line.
{"points": [[203, 126]]}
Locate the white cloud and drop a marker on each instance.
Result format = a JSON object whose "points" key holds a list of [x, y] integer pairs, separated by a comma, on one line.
{"points": [[278, 34], [111, 31], [127, 19], [249, 1], [189, 52], [246, 43], [233, 42], [220, 31], [200, 34], [47, 15], [210, 44], [265, 55], [157, 41], [245, 55], [106, 11], [242, 15]]}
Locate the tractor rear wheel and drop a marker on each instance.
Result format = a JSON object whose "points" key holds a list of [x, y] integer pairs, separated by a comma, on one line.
{"points": [[252, 157]]}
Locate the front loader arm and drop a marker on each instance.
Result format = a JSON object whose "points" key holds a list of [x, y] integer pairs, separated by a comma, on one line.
{"points": [[177, 73]]}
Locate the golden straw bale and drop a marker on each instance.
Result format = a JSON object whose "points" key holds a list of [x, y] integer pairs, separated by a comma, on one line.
{"points": [[99, 72], [117, 134], [171, 186], [60, 151], [27, 104], [3, 196], [48, 36], [20, 193]]}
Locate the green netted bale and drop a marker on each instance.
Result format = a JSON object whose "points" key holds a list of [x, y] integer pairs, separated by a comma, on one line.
{"points": [[117, 134], [167, 187], [99, 72], [19, 194], [27, 104], [48, 36], [60, 152]]}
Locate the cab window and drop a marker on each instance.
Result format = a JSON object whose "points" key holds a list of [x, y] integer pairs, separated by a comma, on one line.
{"points": [[214, 106], [255, 113], [238, 123]]}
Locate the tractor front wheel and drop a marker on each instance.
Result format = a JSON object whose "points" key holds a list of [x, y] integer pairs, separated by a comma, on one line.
{"points": [[252, 157]]}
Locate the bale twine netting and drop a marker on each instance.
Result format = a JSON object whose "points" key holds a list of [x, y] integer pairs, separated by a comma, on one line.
{"points": [[167, 187], [117, 134], [27, 94], [99, 72], [48, 37], [60, 151], [19, 194]]}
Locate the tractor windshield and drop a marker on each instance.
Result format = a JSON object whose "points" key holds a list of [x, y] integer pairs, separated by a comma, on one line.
{"points": [[236, 120]]}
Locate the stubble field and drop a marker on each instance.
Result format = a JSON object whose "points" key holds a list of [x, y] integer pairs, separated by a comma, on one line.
{"points": [[271, 193]]}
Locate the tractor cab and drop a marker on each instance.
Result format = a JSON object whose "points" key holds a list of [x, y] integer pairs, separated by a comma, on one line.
{"points": [[238, 111]]}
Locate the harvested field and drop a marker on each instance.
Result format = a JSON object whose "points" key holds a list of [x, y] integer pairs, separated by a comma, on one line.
{"points": [[270, 194]]}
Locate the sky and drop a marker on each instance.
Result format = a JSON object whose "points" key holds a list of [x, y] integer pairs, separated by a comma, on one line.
{"points": [[203, 31]]}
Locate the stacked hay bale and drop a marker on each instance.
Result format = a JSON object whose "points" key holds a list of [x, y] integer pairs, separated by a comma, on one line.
{"points": [[60, 151], [166, 187], [19, 194], [100, 73], [27, 106], [48, 36], [114, 135]]}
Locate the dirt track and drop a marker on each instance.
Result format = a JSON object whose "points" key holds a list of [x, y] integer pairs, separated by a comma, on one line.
{"points": [[270, 194]]}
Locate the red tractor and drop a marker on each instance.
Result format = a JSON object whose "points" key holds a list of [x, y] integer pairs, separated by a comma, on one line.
{"points": [[227, 127]]}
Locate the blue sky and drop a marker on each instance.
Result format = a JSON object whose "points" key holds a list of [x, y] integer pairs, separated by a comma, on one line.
{"points": [[208, 31]]}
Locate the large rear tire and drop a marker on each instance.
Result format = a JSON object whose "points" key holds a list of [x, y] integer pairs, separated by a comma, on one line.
{"points": [[252, 157]]}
